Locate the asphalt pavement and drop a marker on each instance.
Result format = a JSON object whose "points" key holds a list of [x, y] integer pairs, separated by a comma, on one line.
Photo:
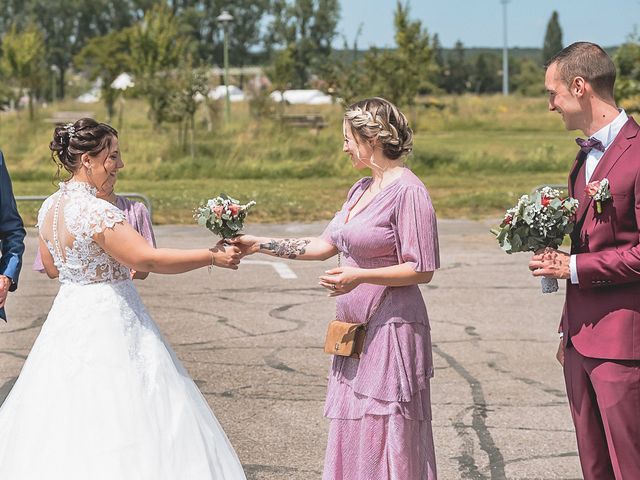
{"points": [[252, 340]]}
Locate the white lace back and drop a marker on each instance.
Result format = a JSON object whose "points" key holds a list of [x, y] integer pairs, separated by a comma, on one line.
{"points": [[67, 222]]}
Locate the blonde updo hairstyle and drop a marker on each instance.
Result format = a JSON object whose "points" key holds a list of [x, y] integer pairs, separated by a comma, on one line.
{"points": [[379, 121]]}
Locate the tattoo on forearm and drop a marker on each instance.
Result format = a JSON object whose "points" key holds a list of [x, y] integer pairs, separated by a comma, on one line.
{"points": [[289, 247]]}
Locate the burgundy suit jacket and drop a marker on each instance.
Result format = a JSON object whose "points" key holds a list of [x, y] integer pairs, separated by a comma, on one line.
{"points": [[601, 317]]}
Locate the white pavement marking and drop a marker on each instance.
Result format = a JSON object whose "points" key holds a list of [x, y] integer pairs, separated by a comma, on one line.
{"points": [[281, 268]]}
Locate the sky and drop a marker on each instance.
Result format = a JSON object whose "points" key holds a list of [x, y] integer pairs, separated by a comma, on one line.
{"points": [[478, 23]]}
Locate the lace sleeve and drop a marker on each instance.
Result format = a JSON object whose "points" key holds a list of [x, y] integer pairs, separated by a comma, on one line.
{"points": [[104, 215], [93, 217], [46, 205]]}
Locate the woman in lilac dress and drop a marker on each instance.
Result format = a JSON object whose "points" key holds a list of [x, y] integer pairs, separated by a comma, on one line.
{"points": [[135, 213], [379, 406]]}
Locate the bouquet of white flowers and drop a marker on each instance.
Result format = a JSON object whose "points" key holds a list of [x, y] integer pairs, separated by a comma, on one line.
{"points": [[536, 222], [222, 215]]}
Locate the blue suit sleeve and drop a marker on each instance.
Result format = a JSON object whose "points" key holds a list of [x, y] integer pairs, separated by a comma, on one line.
{"points": [[12, 231]]}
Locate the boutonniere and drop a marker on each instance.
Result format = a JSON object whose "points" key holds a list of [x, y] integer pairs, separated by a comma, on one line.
{"points": [[599, 191]]}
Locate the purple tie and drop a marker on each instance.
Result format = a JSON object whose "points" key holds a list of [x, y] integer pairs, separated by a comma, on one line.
{"points": [[587, 145]]}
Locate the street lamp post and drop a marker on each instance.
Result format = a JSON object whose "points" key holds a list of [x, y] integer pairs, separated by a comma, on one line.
{"points": [[505, 50], [225, 19]]}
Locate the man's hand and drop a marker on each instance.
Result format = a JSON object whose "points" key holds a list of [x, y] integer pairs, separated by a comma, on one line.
{"points": [[550, 263], [5, 283], [560, 353]]}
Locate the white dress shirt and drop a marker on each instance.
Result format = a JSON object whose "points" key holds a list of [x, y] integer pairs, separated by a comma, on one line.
{"points": [[606, 135]]}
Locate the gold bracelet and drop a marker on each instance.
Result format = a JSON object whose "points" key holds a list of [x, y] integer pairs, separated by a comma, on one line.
{"points": [[213, 263]]}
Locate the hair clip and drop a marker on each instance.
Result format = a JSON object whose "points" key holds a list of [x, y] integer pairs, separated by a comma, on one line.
{"points": [[70, 129]]}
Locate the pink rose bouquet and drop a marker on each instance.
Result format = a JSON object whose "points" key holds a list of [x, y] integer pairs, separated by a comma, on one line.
{"points": [[222, 215]]}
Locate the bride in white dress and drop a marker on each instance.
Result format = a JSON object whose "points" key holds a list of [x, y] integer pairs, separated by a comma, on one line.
{"points": [[101, 395]]}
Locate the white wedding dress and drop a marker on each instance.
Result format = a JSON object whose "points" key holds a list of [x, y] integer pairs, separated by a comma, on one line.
{"points": [[101, 395]]}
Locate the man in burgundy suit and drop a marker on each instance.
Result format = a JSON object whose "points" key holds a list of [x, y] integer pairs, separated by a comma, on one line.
{"points": [[600, 328]]}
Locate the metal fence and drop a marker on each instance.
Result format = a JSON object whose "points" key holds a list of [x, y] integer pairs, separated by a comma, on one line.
{"points": [[134, 195]]}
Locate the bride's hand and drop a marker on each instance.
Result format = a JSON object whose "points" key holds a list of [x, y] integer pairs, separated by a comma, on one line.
{"points": [[341, 280], [248, 244], [226, 256]]}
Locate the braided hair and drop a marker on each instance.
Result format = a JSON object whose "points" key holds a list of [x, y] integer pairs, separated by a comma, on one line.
{"points": [[378, 119]]}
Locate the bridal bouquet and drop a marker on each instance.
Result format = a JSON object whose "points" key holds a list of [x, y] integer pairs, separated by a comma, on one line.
{"points": [[222, 215], [537, 222]]}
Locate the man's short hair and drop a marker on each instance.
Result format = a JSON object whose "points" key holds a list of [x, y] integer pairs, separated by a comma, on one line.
{"points": [[589, 61]]}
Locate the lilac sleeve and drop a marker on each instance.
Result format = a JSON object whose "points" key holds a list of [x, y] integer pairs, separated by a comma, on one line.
{"points": [[328, 234], [143, 223], [37, 263], [416, 230]]}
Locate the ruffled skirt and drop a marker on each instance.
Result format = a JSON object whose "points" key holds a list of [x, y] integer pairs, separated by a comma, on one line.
{"points": [[380, 408]]}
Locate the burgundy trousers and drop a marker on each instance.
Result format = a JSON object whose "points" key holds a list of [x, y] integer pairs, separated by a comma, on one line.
{"points": [[604, 397]]}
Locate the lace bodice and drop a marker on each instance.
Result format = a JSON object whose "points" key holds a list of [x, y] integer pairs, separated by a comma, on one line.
{"points": [[67, 222]]}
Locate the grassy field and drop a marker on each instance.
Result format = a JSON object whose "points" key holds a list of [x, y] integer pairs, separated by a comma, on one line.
{"points": [[476, 156]]}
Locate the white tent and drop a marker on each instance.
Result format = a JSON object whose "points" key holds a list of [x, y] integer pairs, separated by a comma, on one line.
{"points": [[302, 97], [235, 94]]}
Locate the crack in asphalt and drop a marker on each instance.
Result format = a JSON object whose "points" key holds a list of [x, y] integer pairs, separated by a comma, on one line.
{"points": [[13, 354], [37, 323], [479, 415], [529, 381]]}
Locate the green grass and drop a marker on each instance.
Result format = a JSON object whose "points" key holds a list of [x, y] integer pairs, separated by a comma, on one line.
{"points": [[476, 156]]}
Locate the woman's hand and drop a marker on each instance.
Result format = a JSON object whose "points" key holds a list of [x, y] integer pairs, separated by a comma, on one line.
{"points": [[225, 256], [247, 244], [341, 280]]}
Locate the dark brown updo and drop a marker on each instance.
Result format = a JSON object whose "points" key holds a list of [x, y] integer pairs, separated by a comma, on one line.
{"points": [[377, 119], [70, 141]]}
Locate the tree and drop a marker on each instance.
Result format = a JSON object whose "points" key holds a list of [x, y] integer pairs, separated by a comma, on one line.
{"points": [[627, 60], [552, 38], [245, 30], [486, 75], [198, 20], [302, 31], [343, 74], [156, 50], [528, 78], [457, 72], [189, 85], [23, 60], [439, 61], [67, 25], [106, 57], [398, 75]]}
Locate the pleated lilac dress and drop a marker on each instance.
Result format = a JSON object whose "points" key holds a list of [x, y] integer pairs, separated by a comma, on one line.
{"points": [[379, 406]]}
